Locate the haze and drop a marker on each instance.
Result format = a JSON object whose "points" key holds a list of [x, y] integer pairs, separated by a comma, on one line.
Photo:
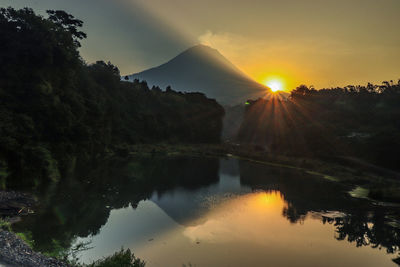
{"points": [[323, 43]]}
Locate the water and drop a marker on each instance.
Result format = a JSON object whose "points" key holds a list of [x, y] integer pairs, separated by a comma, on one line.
{"points": [[213, 212]]}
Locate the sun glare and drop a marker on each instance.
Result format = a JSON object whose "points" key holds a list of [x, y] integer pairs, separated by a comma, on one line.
{"points": [[275, 85]]}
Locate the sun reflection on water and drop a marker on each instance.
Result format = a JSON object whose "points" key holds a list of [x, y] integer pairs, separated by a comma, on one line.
{"points": [[250, 230], [247, 229]]}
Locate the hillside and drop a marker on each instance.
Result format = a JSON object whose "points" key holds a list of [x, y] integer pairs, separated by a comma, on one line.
{"points": [[203, 69]]}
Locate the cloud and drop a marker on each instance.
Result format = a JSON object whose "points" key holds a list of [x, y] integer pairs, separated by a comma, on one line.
{"points": [[214, 40], [232, 46]]}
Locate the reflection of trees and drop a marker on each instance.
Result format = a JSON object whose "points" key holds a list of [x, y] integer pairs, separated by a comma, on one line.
{"points": [[80, 204], [371, 228], [365, 224], [302, 192], [292, 214]]}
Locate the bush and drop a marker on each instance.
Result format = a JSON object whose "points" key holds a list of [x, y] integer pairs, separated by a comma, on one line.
{"points": [[122, 258]]}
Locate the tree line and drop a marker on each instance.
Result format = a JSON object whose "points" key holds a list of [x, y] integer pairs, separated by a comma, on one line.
{"points": [[352, 121]]}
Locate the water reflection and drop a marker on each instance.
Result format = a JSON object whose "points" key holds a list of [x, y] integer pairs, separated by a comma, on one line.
{"points": [[212, 212], [187, 207]]}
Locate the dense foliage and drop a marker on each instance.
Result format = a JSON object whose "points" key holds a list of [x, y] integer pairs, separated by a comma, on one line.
{"points": [[53, 105], [355, 121]]}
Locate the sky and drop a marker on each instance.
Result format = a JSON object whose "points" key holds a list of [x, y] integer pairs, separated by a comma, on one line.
{"points": [[324, 43]]}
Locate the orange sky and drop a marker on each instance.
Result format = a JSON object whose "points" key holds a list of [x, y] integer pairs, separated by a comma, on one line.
{"points": [[321, 43], [324, 43]]}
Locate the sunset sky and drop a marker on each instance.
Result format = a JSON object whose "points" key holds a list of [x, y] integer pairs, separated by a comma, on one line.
{"points": [[324, 43]]}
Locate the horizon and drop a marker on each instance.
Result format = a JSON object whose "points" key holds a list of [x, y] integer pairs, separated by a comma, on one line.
{"points": [[337, 44]]}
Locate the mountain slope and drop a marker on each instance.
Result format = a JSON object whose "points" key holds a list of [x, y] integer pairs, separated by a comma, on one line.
{"points": [[204, 69]]}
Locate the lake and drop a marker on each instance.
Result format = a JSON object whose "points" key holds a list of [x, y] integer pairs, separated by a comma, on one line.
{"points": [[188, 211]]}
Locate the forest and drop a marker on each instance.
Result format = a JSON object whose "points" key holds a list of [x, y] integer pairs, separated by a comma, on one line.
{"points": [[54, 106], [351, 122]]}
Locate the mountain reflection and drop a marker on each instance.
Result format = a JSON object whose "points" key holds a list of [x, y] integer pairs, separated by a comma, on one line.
{"points": [[187, 207], [191, 201]]}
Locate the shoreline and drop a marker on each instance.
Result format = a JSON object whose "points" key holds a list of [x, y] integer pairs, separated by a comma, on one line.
{"points": [[14, 251], [382, 184]]}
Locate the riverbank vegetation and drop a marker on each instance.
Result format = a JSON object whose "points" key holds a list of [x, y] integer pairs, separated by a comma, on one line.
{"points": [[122, 258]]}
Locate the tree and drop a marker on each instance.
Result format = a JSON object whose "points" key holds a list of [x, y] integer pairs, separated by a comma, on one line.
{"points": [[70, 24], [301, 91]]}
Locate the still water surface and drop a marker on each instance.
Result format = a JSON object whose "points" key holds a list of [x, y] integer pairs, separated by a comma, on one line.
{"points": [[208, 212]]}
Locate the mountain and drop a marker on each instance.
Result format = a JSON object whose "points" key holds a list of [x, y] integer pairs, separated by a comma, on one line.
{"points": [[203, 69]]}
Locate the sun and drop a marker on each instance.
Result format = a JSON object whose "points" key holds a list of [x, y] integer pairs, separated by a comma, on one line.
{"points": [[275, 85]]}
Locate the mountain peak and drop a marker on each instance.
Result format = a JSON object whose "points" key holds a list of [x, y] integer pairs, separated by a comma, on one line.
{"points": [[202, 68], [201, 48]]}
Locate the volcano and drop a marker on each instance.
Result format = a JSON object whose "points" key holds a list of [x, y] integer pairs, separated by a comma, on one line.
{"points": [[204, 69]]}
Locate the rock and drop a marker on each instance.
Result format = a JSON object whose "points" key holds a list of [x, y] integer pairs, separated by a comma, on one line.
{"points": [[15, 252]]}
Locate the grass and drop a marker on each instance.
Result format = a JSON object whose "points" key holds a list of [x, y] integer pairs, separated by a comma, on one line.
{"points": [[58, 251], [5, 225], [122, 258], [27, 237]]}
